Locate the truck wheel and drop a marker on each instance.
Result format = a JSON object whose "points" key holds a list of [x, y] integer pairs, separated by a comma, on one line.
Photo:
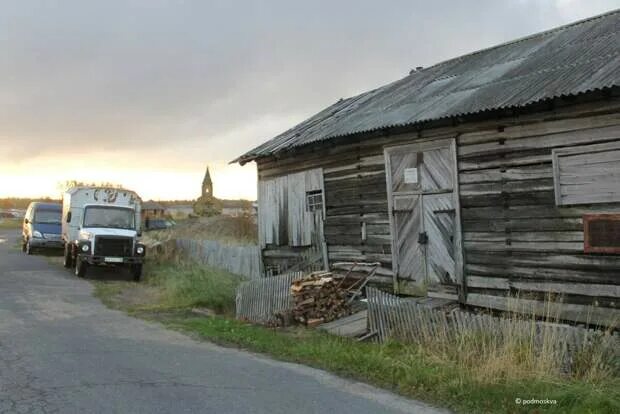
{"points": [[80, 267], [68, 262], [136, 272]]}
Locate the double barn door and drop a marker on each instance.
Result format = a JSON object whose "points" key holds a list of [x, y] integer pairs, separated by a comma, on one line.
{"points": [[424, 219]]}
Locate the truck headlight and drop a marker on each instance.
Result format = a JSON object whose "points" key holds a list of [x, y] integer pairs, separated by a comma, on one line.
{"points": [[85, 248], [37, 234], [140, 250]]}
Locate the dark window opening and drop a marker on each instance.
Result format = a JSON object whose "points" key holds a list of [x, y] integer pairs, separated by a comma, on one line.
{"points": [[272, 270], [314, 201]]}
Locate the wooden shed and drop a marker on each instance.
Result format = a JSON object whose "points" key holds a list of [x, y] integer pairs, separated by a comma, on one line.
{"points": [[153, 210], [486, 177]]}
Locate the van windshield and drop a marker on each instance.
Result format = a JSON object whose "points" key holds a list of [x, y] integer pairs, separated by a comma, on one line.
{"points": [[47, 216], [111, 217]]}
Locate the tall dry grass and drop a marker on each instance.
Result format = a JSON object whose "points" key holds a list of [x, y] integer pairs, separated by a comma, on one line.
{"points": [[523, 344], [225, 229]]}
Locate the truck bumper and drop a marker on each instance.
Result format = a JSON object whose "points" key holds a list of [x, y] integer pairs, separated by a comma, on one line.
{"points": [[45, 243], [106, 260]]}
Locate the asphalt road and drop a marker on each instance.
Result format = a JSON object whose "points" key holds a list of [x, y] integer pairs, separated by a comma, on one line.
{"points": [[62, 351]]}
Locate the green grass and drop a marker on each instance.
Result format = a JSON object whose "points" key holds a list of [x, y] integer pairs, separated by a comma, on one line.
{"points": [[10, 223], [173, 286], [405, 369], [187, 285], [409, 370]]}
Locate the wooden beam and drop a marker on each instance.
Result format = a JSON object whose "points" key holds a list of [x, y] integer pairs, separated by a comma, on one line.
{"points": [[593, 315]]}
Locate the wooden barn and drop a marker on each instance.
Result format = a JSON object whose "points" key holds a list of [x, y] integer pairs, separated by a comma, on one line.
{"points": [[492, 175]]}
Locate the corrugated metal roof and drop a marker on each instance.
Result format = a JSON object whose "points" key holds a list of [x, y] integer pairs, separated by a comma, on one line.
{"points": [[568, 60]]}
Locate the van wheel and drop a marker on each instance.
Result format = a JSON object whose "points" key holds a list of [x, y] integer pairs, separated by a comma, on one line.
{"points": [[80, 268], [28, 248], [68, 262], [136, 272]]}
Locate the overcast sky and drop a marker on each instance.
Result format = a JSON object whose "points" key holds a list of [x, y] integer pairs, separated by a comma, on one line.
{"points": [[147, 93]]}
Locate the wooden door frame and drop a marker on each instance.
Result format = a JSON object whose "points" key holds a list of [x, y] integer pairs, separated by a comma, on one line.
{"points": [[449, 143], [323, 246]]}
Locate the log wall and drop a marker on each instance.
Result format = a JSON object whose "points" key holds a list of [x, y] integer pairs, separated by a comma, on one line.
{"points": [[515, 238]]}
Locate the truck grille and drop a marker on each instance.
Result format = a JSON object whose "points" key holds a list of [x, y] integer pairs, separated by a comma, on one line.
{"points": [[113, 246]]}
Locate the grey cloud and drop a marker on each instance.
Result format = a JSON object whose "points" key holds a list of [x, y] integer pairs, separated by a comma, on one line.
{"points": [[145, 74]]}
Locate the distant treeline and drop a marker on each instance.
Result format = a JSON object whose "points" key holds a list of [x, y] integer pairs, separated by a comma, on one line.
{"points": [[22, 203], [168, 203], [239, 202]]}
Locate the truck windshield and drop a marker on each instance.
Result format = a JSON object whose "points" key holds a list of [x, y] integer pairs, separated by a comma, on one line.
{"points": [[112, 217], [47, 216]]}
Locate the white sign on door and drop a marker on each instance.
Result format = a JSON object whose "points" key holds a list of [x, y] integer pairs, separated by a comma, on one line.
{"points": [[411, 175]]}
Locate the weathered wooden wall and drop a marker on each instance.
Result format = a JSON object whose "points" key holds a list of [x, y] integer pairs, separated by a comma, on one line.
{"points": [[288, 234], [356, 223], [515, 238]]}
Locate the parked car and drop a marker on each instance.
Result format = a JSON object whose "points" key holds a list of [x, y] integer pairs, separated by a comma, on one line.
{"points": [[42, 227], [157, 224]]}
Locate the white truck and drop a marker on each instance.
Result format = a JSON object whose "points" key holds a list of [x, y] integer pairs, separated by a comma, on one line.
{"points": [[100, 227]]}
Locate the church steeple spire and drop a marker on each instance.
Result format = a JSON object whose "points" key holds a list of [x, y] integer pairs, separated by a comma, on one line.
{"points": [[207, 185]]}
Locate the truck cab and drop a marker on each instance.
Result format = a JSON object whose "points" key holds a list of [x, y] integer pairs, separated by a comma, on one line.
{"points": [[101, 227]]}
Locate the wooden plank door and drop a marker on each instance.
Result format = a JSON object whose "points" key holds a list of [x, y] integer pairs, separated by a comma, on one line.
{"points": [[439, 227], [423, 203], [409, 254]]}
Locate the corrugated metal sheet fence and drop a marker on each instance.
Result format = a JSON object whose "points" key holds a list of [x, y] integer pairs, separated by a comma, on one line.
{"points": [[240, 260], [404, 319], [259, 300]]}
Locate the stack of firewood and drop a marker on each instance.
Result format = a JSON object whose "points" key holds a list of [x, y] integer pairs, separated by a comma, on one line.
{"points": [[320, 297]]}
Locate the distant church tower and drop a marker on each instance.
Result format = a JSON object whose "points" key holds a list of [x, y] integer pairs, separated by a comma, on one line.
{"points": [[207, 185]]}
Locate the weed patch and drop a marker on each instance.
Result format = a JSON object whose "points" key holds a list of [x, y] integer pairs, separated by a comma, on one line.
{"points": [[187, 285], [173, 285]]}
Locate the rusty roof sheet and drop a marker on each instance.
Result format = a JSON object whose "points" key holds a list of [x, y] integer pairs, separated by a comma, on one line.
{"points": [[580, 57]]}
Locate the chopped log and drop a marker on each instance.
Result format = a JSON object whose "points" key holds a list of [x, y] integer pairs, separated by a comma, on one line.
{"points": [[314, 322], [322, 296]]}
